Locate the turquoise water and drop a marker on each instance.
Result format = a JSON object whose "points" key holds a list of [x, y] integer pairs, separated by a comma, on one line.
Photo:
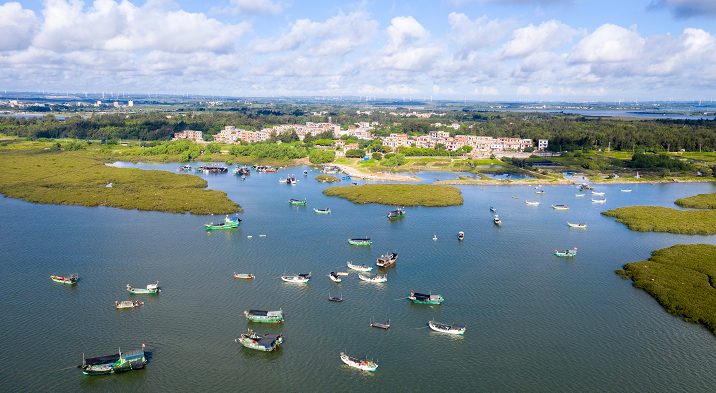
{"points": [[534, 322]]}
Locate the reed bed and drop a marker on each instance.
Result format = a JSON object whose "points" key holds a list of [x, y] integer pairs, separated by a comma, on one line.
{"points": [[427, 195]]}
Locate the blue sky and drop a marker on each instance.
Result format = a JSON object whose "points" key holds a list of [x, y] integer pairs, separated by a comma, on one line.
{"points": [[449, 49]]}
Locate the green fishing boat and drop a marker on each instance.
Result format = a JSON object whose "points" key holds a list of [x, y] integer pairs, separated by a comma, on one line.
{"points": [[264, 316], [123, 361], [422, 298], [360, 242], [229, 222], [266, 343], [297, 201], [396, 213], [567, 253], [70, 280], [151, 288]]}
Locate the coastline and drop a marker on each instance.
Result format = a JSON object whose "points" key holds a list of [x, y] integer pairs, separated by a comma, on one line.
{"points": [[375, 176]]}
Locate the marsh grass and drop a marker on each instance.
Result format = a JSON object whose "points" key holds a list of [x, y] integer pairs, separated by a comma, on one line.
{"points": [[327, 179], [79, 178], [665, 219], [682, 279], [701, 201], [427, 195]]}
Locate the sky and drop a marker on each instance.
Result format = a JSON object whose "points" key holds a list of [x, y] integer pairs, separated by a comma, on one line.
{"points": [[483, 50]]}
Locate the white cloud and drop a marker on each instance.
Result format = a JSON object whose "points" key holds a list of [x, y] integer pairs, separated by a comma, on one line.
{"points": [[480, 33], [486, 91], [523, 91], [391, 89], [548, 35], [686, 8], [502, 2], [407, 47], [609, 43], [337, 36], [17, 26], [257, 7], [545, 91]]}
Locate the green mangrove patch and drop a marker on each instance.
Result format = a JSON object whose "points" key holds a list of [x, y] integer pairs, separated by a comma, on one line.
{"points": [[76, 178], [327, 179], [701, 201], [665, 219], [428, 195], [682, 279]]}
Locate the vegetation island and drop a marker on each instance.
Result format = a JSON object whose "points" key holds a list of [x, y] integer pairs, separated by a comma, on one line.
{"points": [[327, 179], [427, 195], [682, 279]]}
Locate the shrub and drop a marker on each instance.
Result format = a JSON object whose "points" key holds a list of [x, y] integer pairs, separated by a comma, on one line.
{"points": [[355, 153], [377, 156], [319, 156]]}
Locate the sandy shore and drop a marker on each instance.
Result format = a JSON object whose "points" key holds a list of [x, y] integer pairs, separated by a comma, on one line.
{"points": [[375, 176]]}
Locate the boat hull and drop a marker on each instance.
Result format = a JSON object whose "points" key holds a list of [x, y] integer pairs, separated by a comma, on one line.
{"points": [[252, 343], [360, 242], [64, 280], [225, 225], [356, 363], [442, 328], [360, 268]]}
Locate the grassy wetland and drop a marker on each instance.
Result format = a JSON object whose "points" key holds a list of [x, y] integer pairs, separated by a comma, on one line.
{"points": [[427, 195], [327, 179], [682, 279], [82, 178]]}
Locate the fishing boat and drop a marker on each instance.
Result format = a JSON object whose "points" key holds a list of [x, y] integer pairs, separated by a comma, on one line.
{"points": [[560, 207], [363, 364], [334, 277], [360, 242], [243, 275], [567, 253], [377, 278], [492, 209], [435, 236], [69, 280], [597, 193], [515, 197], [322, 211], [297, 201], [387, 260], [580, 225], [380, 325], [422, 298], [122, 361], [599, 200], [291, 180], [364, 268], [264, 316], [585, 186], [151, 288], [335, 298], [532, 203], [266, 343], [229, 222], [497, 220], [539, 192], [305, 173], [280, 180], [127, 304], [396, 213], [185, 168], [626, 190], [446, 328], [460, 235], [298, 278]]}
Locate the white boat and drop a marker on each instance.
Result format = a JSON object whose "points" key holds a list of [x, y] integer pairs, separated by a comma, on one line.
{"points": [[377, 278], [363, 364], [447, 328], [435, 237], [579, 195], [599, 200], [626, 190], [597, 193], [334, 277], [127, 304], [298, 278], [532, 203], [364, 268]]}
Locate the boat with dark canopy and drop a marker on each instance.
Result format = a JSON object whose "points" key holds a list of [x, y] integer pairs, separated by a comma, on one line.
{"points": [[387, 260], [266, 343], [396, 213], [422, 298], [264, 316], [120, 362]]}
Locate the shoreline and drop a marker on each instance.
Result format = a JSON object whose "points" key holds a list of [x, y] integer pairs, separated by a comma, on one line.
{"points": [[353, 172]]}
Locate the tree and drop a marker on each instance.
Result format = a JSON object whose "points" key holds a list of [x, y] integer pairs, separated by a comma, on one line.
{"points": [[529, 149], [319, 156], [377, 156], [355, 153]]}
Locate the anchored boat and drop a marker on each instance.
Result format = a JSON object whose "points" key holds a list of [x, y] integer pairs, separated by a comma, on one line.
{"points": [[298, 278], [539, 192], [597, 193], [447, 328], [460, 235], [377, 278], [422, 298], [580, 225], [492, 209], [297, 201], [497, 220], [335, 298], [264, 316], [334, 277], [567, 253], [69, 280], [532, 203], [599, 200], [380, 325], [364, 268], [266, 343], [127, 304], [122, 361], [322, 211], [363, 364], [396, 213], [229, 222], [387, 260], [360, 242], [560, 207], [151, 288], [243, 275]]}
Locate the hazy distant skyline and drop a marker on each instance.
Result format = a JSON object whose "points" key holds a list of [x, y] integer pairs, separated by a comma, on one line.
{"points": [[450, 49]]}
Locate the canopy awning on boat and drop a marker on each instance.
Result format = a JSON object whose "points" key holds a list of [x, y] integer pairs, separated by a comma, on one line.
{"points": [[268, 339], [102, 360], [133, 355], [274, 313], [258, 312]]}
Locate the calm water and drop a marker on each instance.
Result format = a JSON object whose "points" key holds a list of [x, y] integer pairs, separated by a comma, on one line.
{"points": [[534, 322]]}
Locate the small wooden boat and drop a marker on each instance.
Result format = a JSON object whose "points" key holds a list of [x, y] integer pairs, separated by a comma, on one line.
{"points": [[244, 275], [151, 288], [297, 201], [127, 304], [298, 278], [599, 200], [363, 364], [492, 209], [396, 213], [266, 343], [322, 211], [497, 220], [185, 168], [515, 197], [560, 207], [387, 260], [567, 253], [532, 203], [360, 242], [120, 362], [69, 280], [460, 235], [280, 180], [334, 277], [580, 225], [626, 190], [363, 268], [380, 325], [446, 328], [264, 316], [539, 192], [291, 180], [305, 173], [377, 278], [229, 222], [335, 298], [422, 298], [597, 193]]}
